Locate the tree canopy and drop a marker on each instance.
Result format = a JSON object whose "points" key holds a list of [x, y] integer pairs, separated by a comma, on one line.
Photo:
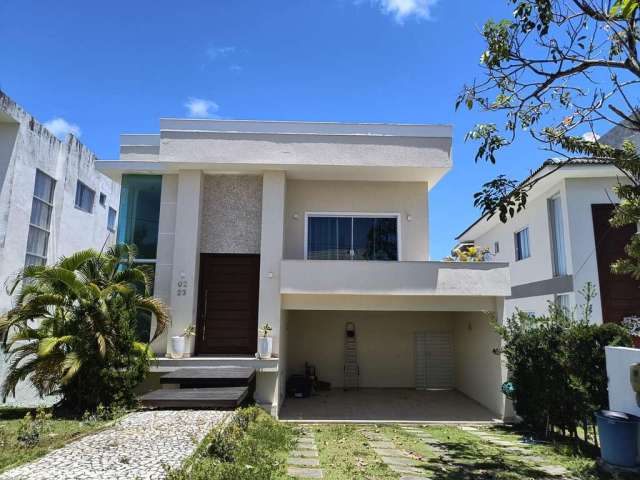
{"points": [[561, 71]]}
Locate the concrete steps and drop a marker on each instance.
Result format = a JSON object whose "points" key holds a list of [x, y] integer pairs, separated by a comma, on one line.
{"points": [[224, 387]]}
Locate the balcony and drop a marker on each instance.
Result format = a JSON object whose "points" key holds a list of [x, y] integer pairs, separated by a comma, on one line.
{"points": [[318, 277]]}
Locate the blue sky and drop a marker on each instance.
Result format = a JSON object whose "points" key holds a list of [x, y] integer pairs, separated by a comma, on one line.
{"points": [[103, 68]]}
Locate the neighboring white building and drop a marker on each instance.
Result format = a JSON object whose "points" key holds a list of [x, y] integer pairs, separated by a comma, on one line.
{"points": [[53, 201], [309, 227], [561, 241]]}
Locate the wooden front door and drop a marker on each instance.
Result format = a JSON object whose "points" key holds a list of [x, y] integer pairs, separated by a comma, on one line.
{"points": [[228, 304], [619, 294]]}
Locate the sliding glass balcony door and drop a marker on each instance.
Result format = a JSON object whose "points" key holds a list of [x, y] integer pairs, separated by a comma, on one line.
{"points": [[352, 237]]}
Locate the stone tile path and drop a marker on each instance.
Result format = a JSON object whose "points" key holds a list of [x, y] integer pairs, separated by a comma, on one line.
{"points": [[136, 447], [432, 443], [397, 460], [520, 448], [303, 462]]}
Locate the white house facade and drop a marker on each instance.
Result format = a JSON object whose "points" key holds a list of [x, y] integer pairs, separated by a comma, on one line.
{"points": [[315, 229], [562, 241], [53, 201]]}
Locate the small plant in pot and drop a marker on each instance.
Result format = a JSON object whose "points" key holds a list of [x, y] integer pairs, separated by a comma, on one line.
{"points": [[265, 342], [179, 343]]}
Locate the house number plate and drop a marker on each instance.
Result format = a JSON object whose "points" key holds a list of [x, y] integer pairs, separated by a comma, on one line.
{"points": [[182, 288]]}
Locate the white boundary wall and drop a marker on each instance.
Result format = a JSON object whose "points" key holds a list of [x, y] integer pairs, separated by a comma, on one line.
{"points": [[621, 396]]}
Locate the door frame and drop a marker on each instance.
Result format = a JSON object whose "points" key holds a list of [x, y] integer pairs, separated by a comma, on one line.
{"points": [[603, 272], [201, 305]]}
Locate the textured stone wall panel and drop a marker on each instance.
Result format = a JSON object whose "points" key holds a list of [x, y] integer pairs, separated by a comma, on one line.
{"points": [[231, 214]]}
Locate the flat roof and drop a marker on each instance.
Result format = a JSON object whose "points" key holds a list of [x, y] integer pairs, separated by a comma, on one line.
{"points": [[275, 127]]}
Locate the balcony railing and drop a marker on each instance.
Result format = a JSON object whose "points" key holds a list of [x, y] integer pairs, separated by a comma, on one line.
{"points": [[394, 278]]}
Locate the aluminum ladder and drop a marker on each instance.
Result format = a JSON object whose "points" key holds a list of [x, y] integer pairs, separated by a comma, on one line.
{"points": [[351, 368]]}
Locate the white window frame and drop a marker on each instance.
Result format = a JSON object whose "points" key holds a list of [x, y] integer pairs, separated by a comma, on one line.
{"points": [[38, 227], [515, 243], [562, 251], [396, 215]]}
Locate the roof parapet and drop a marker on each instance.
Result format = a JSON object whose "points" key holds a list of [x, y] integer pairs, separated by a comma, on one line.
{"points": [[305, 128]]}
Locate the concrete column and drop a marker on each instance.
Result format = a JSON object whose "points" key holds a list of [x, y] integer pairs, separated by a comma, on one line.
{"points": [[507, 405], [186, 254], [164, 256], [271, 248]]}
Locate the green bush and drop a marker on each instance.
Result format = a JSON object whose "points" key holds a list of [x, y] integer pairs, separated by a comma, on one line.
{"points": [[72, 331], [557, 367], [32, 427], [252, 446]]}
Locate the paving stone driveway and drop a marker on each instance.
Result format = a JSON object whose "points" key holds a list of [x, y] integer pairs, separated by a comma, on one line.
{"points": [[136, 447]]}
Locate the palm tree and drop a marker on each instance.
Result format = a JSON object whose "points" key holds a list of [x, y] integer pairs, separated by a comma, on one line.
{"points": [[72, 330]]}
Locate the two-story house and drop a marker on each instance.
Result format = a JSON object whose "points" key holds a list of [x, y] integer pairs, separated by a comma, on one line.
{"points": [[315, 229], [53, 202], [562, 241]]}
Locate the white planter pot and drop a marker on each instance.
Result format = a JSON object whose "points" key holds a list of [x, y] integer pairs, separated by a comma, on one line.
{"points": [[265, 347], [177, 346]]}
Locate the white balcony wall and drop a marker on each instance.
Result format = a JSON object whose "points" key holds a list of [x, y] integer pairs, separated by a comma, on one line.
{"points": [[394, 278]]}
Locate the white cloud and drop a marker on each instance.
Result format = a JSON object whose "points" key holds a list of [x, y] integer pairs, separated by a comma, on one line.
{"points": [[590, 136], [235, 68], [201, 108], [214, 53], [61, 128], [402, 9]]}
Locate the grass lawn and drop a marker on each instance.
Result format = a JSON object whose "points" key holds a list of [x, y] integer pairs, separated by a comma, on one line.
{"points": [[55, 434], [346, 454]]}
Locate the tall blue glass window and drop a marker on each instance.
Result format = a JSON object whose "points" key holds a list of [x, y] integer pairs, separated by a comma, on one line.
{"points": [[140, 213], [138, 225]]}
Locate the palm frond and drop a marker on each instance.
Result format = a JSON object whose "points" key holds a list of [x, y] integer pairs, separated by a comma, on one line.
{"points": [[76, 260], [43, 300], [16, 374], [138, 275], [70, 366], [121, 288], [47, 345], [158, 308], [28, 272], [58, 277], [102, 344], [26, 336], [19, 316]]}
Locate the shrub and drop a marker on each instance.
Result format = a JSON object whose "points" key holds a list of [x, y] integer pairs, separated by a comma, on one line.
{"points": [[557, 367], [73, 329], [103, 414], [32, 427]]}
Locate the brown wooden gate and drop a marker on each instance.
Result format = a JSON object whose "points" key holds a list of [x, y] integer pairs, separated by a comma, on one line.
{"points": [[619, 294], [228, 304]]}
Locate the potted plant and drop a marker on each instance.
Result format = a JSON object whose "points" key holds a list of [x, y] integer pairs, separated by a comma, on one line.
{"points": [[179, 344], [265, 342]]}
